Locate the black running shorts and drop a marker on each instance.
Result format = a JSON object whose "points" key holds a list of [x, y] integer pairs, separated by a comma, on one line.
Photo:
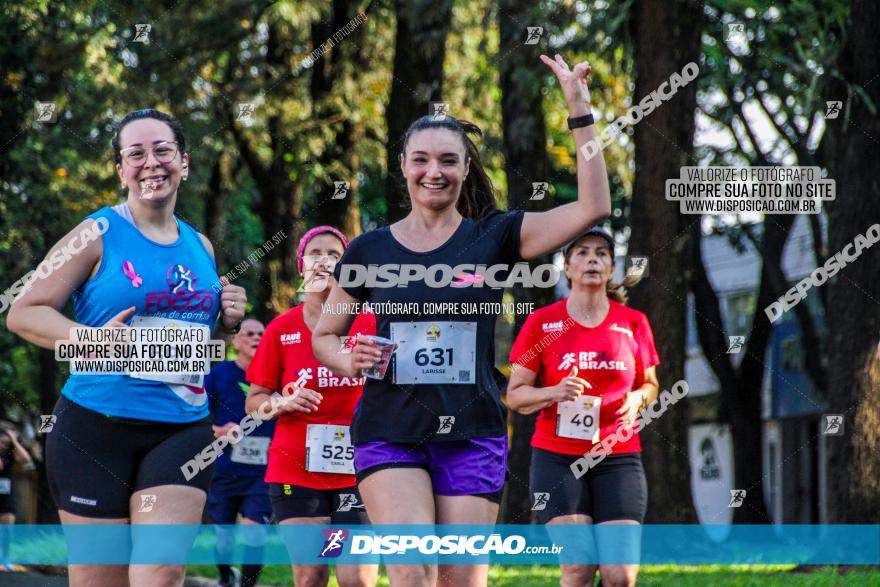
{"points": [[96, 462], [615, 489], [343, 506]]}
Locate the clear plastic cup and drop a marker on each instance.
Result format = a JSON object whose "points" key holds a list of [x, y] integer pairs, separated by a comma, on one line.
{"points": [[387, 348]]}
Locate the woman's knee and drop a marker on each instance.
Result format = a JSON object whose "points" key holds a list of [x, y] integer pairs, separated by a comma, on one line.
{"points": [[357, 575], [462, 575], [356, 581], [577, 575], [92, 575], [157, 575], [417, 575], [619, 575], [311, 575]]}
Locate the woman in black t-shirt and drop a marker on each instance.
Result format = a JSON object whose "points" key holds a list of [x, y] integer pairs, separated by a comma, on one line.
{"points": [[430, 437]]}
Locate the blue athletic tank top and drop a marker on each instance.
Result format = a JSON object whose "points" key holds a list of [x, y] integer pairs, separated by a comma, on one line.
{"points": [[171, 281]]}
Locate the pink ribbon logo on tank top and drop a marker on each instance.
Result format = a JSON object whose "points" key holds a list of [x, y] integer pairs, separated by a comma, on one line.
{"points": [[463, 278], [128, 269]]}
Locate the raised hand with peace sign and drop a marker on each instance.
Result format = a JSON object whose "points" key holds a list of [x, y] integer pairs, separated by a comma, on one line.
{"points": [[594, 196], [573, 82]]}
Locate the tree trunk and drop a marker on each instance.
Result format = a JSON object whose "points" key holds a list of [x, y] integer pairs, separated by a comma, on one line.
{"points": [[744, 405], [215, 196], [853, 309], [741, 387], [280, 198], [524, 136], [419, 50], [346, 61], [667, 37]]}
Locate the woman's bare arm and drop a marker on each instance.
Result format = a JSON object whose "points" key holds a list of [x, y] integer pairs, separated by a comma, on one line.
{"points": [[335, 324], [593, 205], [525, 397], [36, 315]]}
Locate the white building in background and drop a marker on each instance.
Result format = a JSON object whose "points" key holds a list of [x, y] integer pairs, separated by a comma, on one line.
{"points": [[792, 442]]}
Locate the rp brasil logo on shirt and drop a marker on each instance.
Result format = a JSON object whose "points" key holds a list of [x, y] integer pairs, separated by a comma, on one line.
{"points": [[590, 360], [181, 293]]}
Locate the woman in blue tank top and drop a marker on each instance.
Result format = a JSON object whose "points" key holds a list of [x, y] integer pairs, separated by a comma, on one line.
{"points": [[115, 453]]}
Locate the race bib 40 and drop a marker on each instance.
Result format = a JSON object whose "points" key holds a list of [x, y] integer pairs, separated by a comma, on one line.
{"points": [[579, 418]]}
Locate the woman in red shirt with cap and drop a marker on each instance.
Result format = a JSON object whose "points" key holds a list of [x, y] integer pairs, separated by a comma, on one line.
{"points": [[596, 362], [311, 470]]}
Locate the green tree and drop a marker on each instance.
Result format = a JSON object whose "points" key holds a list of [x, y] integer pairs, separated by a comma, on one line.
{"points": [[667, 37], [774, 69], [522, 77], [853, 308], [419, 50]]}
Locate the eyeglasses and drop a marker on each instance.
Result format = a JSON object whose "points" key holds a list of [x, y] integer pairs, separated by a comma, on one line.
{"points": [[163, 152]]}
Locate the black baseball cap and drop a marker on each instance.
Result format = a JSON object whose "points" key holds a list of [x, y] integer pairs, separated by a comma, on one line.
{"points": [[595, 231]]}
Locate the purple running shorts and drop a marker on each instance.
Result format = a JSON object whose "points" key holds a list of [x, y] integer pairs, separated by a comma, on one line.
{"points": [[477, 466]]}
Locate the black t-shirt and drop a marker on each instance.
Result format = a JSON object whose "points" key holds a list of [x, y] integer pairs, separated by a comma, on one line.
{"points": [[397, 409]]}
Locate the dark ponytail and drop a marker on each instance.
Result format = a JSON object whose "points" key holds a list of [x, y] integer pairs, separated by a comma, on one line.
{"points": [[477, 193], [149, 113]]}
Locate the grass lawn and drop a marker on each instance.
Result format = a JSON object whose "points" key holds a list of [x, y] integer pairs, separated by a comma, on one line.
{"points": [[684, 576]]}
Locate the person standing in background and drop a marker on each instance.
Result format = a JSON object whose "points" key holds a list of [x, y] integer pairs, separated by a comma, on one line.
{"points": [[588, 384], [11, 451], [311, 469], [238, 486], [126, 436]]}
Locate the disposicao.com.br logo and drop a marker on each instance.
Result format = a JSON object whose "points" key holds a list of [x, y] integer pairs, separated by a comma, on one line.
{"points": [[454, 544], [441, 275]]}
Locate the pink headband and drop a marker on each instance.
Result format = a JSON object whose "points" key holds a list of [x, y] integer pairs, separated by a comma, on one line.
{"points": [[309, 235]]}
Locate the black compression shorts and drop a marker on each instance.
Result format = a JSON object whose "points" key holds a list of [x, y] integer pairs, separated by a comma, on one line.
{"points": [[95, 462], [343, 506], [615, 489]]}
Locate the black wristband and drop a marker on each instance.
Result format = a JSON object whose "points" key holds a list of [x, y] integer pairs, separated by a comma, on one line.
{"points": [[580, 121]]}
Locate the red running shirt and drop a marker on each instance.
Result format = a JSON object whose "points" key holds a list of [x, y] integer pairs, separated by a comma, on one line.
{"points": [[612, 357], [284, 356]]}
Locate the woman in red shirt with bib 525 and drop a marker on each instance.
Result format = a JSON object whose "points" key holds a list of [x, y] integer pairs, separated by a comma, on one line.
{"points": [[596, 362], [311, 460]]}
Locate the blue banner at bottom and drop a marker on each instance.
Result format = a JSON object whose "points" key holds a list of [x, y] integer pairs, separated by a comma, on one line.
{"points": [[444, 544]]}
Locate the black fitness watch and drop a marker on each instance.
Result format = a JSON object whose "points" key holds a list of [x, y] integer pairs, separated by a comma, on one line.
{"points": [[580, 121]]}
